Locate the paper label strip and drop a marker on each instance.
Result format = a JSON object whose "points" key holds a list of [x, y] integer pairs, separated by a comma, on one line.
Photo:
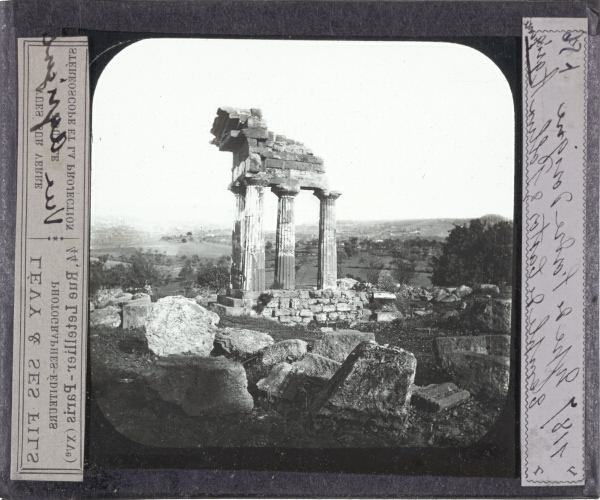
{"points": [[51, 297], [553, 326]]}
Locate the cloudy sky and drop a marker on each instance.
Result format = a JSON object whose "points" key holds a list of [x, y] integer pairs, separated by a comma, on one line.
{"points": [[407, 130]]}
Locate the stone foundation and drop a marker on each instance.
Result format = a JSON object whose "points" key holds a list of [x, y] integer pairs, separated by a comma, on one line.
{"points": [[322, 306], [302, 306]]}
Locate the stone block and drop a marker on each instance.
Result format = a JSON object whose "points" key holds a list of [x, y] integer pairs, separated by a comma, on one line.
{"points": [[281, 312], [342, 307], [135, 313], [386, 316], [349, 294], [436, 398], [321, 317], [363, 296], [285, 319], [107, 316], [312, 302], [329, 308], [274, 383], [285, 350], [241, 344], [316, 366], [307, 320], [374, 383], [480, 374], [494, 345], [268, 312], [201, 385], [333, 316], [339, 344], [296, 319], [316, 308], [317, 294], [489, 315], [304, 294], [295, 303], [325, 301]]}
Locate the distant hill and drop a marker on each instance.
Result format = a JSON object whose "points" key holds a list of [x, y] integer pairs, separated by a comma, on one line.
{"points": [[491, 219]]}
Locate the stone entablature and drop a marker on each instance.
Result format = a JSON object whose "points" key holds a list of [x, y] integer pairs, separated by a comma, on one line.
{"points": [[263, 159]]}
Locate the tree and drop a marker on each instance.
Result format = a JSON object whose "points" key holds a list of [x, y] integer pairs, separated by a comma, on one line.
{"points": [[475, 254], [403, 272], [214, 277]]}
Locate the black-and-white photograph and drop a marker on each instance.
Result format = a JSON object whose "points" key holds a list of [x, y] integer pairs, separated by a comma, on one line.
{"points": [[302, 244]]}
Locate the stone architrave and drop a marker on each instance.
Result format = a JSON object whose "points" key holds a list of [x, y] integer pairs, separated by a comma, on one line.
{"points": [[237, 236], [253, 243], [327, 260], [285, 239]]}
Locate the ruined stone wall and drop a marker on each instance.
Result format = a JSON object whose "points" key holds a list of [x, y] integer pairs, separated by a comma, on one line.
{"points": [[303, 306]]}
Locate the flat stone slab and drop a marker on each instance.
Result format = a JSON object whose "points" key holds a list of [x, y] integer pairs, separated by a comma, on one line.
{"points": [[339, 344], [435, 398], [201, 385], [374, 383], [386, 316], [480, 374], [241, 344], [494, 345]]}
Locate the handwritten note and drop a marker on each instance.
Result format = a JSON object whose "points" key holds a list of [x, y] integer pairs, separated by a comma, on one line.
{"points": [[50, 319], [553, 301]]}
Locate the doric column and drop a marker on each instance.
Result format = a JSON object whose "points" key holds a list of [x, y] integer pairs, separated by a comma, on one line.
{"points": [[327, 262], [237, 235], [253, 243], [285, 239]]}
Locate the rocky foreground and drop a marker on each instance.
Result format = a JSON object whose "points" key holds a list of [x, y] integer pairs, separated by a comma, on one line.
{"points": [[188, 378]]}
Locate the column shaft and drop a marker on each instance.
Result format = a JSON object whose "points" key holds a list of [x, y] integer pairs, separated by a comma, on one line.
{"points": [[327, 260], [237, 238], [253, 245], [285, 242]]}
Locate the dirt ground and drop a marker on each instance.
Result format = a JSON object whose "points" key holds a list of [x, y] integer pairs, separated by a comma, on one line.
{"points": [[117, 356]]}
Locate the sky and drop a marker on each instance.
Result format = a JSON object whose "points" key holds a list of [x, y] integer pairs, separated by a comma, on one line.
{"points": [[407, 130]]}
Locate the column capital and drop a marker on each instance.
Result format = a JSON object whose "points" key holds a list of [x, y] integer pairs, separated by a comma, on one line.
{"points": [[237, 188], [261, 180], [324, 194], [289, 190]]}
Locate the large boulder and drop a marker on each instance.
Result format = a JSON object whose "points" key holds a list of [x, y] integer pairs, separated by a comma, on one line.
{"points": [[374, 383], [241, 344], [108, 316], [177, 325], [339, 344], [494, 345], [102, 298], [135, 313], [489, 315], [316, 367], [481, 374], [201, 385]]}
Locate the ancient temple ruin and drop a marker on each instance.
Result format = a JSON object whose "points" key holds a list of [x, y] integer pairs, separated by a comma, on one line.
{"points": [[263, 159]]}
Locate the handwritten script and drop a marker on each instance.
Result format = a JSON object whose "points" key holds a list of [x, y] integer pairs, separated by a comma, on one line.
{"points": [[553, 328]]}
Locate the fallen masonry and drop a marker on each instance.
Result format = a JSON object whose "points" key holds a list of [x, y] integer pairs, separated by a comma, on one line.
{"points": [[201, 385], [435, 398], [373, 384]]}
